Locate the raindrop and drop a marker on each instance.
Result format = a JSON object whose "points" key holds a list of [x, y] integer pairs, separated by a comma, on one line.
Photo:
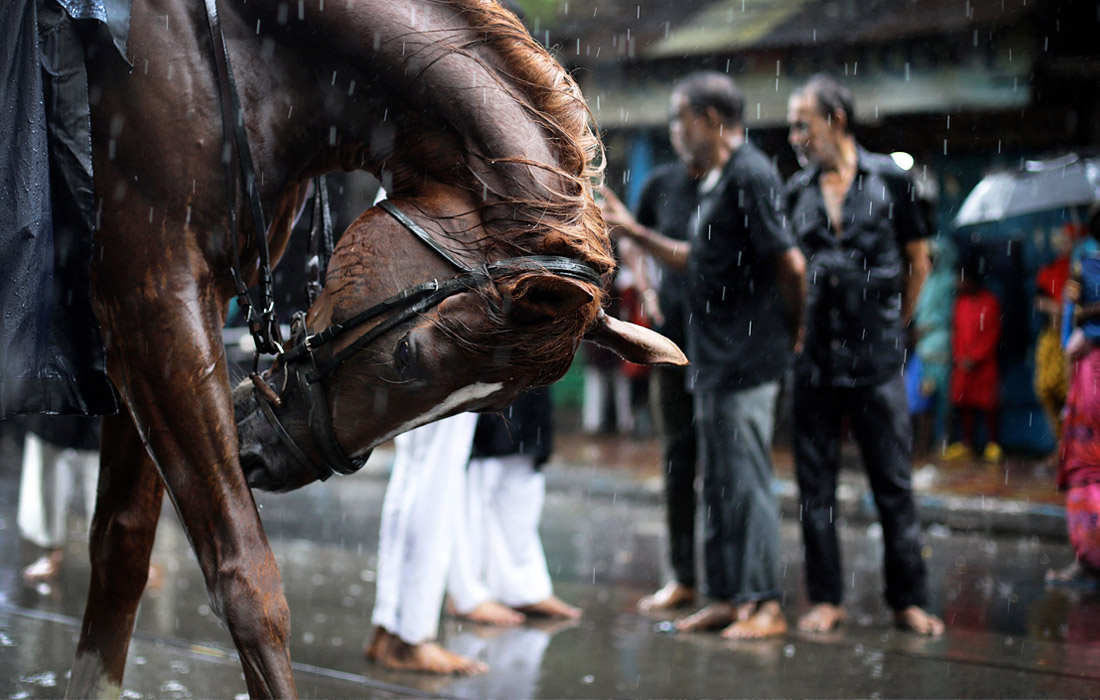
{"points": [[589, 679]]}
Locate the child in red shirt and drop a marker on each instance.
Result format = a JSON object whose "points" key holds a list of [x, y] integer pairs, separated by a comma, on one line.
{"points": [[975, 382]]}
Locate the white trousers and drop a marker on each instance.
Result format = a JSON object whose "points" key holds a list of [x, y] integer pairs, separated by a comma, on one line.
{"points": [[49, 481], [600, 386], [498, 552], [416, 539]]}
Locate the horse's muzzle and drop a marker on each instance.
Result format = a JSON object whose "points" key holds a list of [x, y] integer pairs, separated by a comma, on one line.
{"points": [[266, 464]]}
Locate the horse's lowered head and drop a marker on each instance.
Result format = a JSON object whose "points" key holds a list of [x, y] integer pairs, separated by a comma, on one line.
{"points": [[422, 337], [486, 146]]}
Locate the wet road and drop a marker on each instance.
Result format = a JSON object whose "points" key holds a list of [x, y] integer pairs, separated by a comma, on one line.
{"points": [[1008, 635]]}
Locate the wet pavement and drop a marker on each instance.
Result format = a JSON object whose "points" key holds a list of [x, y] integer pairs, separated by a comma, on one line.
{"points": [[1008, 634]]}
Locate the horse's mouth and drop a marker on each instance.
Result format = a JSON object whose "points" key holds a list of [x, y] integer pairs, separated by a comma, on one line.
{"points": [[265, 462]]}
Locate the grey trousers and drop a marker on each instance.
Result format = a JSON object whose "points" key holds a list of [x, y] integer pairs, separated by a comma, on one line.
{"points": [[673, 408], [741, 545]]}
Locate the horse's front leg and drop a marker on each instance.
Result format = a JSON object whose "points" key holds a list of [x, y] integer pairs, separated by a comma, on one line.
{"points": [[127, 507], [168, 361]]}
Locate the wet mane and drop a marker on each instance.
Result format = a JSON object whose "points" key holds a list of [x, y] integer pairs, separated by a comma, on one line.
{"points": [[553, 213]]}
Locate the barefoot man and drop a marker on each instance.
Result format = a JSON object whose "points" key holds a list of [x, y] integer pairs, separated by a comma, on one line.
{"points": [[438, 522], [744, 300], [856, 217], [498, 571], [415, 544]]}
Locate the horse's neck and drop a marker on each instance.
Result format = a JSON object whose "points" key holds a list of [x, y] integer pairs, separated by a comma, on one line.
{"points": [[346, 67]]}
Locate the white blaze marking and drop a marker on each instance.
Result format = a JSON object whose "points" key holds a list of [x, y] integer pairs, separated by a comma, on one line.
{"points": [[462, 396], [89, 679]]}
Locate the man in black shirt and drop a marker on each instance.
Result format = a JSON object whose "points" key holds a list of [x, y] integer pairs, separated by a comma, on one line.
{"points": [[745, 284], [666, 204], [856, 216]]}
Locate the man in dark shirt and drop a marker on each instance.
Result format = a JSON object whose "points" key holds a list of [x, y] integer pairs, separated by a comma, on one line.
{"points": [[745, 284], [666, 205], [856, 217]]}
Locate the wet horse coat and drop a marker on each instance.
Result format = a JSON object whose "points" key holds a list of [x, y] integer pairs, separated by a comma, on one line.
{"points": [[479, 137]]}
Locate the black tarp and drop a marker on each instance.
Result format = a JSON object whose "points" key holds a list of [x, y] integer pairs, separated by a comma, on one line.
{"points": [[51, 353]]}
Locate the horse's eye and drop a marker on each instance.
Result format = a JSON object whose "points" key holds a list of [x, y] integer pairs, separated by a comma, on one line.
{"points": [[402, 355]]}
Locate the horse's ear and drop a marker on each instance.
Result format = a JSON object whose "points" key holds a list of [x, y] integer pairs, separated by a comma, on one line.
{"points": [[540, 298], [634, 343]]}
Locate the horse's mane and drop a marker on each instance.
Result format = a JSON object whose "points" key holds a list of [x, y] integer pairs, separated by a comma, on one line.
{"points": [[555, 214]]}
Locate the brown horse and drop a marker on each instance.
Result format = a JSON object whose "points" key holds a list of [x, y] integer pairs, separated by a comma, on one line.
{"points": [[481, 140]]}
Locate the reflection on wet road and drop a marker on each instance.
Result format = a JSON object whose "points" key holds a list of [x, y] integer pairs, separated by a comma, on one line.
{"points": [[1007, 634]]}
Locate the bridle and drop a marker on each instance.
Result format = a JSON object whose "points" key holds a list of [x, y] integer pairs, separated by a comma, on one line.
{"points": [[305, 370]]}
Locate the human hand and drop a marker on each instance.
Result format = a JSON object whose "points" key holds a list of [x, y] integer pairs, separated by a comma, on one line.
{"points": [[1072, 291], [618, 218], [652, 306], [1046, 305], [798, 341], [1077, 345]]}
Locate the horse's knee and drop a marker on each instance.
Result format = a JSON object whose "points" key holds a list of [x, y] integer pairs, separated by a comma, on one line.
{"points": [[252, 604]]}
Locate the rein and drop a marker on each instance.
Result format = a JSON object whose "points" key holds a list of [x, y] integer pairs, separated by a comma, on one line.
{"points": [[307, 372], [265, 329], [304, 369]]}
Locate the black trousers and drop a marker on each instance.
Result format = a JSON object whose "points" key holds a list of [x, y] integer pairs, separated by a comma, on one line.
{"points": [[673, 410], [879, 421]]}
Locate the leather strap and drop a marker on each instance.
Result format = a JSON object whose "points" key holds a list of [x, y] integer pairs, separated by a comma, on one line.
{"points": [[265, 330]]}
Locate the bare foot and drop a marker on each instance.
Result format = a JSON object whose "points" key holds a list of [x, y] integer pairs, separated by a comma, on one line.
{"points": [[44, 568], [1075, 573], [823, 617], [673, 595], [493, 613], [387, 650], [766, 621], [914, 619], [713, 616], [552, 607]]}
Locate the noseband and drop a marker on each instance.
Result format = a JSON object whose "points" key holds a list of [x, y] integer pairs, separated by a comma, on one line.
{"points": [[307, 371]]}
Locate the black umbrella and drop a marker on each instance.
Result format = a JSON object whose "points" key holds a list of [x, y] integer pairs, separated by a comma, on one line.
{"points": [[1036, 185]]}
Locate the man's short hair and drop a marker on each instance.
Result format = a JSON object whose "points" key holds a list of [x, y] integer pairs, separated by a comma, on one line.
{"points": [[712, 89], [832, 97]]}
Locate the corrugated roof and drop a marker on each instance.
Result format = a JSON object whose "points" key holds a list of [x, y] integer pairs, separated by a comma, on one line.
{"points": [[667, 28]]}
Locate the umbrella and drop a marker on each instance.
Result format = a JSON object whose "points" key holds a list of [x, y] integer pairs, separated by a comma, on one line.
{"points": [[1037, 185]]}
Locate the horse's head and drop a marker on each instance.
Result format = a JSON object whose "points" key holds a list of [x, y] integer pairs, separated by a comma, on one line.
{"points": [[401, 336], [485, 141]]}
